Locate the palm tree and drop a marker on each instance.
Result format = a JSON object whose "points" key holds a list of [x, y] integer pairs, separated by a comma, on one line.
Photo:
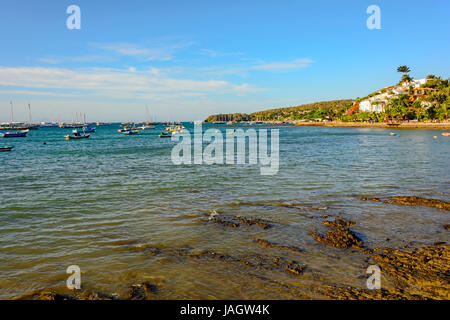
{"points": [[405, 77], [403, 69]]}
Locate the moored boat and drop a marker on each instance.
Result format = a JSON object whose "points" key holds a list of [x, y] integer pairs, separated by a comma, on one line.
{"points": [[131, 132], [88, 129], [446, 134], [14, 134], [4, 149], [76, 136], [165, 135]]}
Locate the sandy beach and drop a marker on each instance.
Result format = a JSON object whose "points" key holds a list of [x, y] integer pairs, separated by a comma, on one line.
{"points": [[403, 125]]}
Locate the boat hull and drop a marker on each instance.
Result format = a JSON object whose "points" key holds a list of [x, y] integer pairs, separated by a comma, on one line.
{"points": [[77, 137], [14, 134]]}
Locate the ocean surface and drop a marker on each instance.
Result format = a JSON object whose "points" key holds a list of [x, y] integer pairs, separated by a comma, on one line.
{"points": [[109, 202]]}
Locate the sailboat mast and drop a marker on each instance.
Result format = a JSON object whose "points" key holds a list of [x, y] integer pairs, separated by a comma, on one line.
{"points": [[146, 111], [12, 113], [29, 113]]}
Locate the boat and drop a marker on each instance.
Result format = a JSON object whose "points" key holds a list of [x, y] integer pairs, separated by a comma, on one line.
{"points": [[131, 132], [88, 129], [14, 134], [148, 124], [10, 126], [4, 149], [165, 135], [146, 127], [76, 136], [446, 134], [71, 125]]}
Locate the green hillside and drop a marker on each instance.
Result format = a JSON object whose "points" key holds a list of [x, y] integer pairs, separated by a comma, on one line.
{"points": [[334, 108]]}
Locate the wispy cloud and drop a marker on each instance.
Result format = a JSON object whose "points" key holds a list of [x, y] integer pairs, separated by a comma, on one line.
{"points": [[284, 65], [154, 52], [215, 54], [113, 83], [77, 59]]}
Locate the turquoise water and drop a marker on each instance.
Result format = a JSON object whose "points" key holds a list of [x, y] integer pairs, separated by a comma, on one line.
{"points": [[97, 202]]}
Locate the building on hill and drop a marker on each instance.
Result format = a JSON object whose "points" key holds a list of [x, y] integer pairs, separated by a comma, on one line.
{"points": [[421, 93], [377, 101]]}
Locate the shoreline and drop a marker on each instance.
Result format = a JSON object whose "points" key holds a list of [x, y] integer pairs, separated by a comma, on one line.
{"points": [[403, 125], [411, 272]]}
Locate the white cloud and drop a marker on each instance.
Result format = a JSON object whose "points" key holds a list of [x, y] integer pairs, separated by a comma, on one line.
{"points": [[156, 52], [77, 59], [215, 54], [284, 65], [113, 83]]}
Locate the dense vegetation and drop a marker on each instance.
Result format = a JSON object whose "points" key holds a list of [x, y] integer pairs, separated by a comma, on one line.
{"points": [[317, 110], [434, 106]]}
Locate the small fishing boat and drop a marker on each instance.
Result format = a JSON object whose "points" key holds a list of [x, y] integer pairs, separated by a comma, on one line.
{"points": [[130, 132], [446, 134], [77, 135], [15, 134], [88, 129], [165, 135], [4, 149], [146, 127]]}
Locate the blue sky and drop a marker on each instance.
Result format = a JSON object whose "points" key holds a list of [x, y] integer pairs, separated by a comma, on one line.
{"points": [[189, 59]]}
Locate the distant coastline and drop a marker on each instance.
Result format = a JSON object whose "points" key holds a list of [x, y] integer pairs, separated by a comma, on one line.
{"points": [[403, 125]]}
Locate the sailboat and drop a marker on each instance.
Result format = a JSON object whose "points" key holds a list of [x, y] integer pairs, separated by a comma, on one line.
{"points": [[16, 126], [146, 125], [130, 132]]}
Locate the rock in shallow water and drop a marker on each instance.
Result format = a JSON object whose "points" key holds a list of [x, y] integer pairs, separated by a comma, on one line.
{"points": [[338, 235], [412, 201]]}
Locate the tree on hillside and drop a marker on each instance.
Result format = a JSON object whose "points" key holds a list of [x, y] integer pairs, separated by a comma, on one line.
{"points": [[405, 76], [403, 69]]}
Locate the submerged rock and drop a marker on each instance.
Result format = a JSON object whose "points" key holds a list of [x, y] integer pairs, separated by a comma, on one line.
{"points": [[339, 223], [60, 294], [412, 201], [236, 222], [269, 244], [352, 293], [425, 271], [142, 291], [338, 235]]}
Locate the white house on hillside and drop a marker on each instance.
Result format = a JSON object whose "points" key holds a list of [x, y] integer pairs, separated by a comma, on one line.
{"points": [[377, 103]]}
